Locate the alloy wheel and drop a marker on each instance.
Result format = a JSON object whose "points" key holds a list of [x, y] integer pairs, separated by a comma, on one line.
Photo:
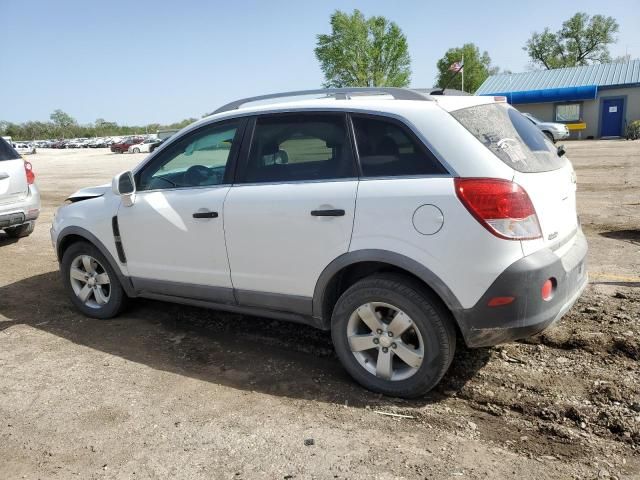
{"points": [[90, 281], [385, 341]]}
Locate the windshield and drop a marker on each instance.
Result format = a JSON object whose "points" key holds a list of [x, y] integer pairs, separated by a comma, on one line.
{"points": [[511, 137], [7, 152]]}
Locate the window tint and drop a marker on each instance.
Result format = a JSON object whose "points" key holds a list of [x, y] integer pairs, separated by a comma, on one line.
{"points": [[299, 147], [6, 151], [386, 149], [198, 160], [511, 137]]}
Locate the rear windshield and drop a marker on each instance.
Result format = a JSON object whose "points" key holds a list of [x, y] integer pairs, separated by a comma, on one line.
{"points": [[511, 136], [7, 152]]}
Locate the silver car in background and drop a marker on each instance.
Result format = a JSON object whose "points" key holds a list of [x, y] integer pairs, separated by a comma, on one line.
{"points": [[555, 131], [19, 196]]}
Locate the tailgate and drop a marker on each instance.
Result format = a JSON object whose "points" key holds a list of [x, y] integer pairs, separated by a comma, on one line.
{"points": [[13, 179], [554, 197]]}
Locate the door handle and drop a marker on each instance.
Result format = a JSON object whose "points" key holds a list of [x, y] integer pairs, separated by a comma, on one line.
{"points": [[205, 215], [328, 213]]}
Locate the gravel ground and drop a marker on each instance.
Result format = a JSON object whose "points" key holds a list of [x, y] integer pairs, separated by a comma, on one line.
{"points": [[171, 391]]}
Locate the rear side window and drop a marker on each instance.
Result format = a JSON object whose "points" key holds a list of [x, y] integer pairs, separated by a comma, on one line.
{"points": [[297, 147], [386, 149], [7, 152], [511, 136]]}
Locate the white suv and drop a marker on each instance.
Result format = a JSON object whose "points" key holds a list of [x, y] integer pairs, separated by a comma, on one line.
{"points": [[19, 196], [399, 220]]}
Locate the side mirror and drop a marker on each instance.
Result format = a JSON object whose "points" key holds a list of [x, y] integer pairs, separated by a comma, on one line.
{"points": [[561, 151], [124, 185]]}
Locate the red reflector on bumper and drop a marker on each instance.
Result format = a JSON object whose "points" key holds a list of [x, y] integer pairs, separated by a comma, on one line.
{"points": [[547, 289], [498, 301]]}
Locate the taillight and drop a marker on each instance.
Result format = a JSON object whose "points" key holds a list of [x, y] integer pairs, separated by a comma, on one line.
{"points": [[28, 170], [501, 206]]}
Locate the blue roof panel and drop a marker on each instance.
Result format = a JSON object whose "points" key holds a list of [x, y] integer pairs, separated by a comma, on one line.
{"points": [[600, 75]]}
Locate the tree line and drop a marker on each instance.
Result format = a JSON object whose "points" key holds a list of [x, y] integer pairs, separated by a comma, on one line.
{"points": [[62, 125]]}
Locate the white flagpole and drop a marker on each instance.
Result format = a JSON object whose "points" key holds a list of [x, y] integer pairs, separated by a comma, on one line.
{"points": [[462, 72]]}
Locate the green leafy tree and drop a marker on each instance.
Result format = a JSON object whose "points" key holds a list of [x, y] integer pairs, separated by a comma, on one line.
{"points": [[363, 52], [582, 40], [477, 67], [63, 122]]}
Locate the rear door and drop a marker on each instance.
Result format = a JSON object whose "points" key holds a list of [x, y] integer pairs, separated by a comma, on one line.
{"points": [[13, 179], [291, 210]]}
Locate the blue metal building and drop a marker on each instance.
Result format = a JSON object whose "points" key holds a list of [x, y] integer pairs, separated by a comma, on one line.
{"points": [[594, 101]]}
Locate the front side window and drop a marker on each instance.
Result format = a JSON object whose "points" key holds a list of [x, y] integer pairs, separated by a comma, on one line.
{"points": [[511, 137], [299, 147], [197, 160], [386, 149], [569, 112]]}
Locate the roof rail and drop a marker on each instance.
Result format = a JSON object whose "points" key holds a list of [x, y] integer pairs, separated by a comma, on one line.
{"points": [[339, 93]]}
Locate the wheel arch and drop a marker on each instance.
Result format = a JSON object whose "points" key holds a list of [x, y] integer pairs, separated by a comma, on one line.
{"points": [[352, 266], [71, 235]]}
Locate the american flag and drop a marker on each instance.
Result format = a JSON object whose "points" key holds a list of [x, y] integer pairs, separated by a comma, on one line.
{"points": [[456, 67]]}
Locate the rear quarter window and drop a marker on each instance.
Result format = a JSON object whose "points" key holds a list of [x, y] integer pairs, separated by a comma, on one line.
{"points": [[511, 137], [7, 152]]}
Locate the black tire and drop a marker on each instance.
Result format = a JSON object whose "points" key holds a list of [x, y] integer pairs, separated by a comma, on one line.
{"points": [[21, 231], [136, 150], [117, 298], [550, 136], [432, 320]]}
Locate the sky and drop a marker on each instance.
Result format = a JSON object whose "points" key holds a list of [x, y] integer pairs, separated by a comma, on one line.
{"points": [[140, 62]]}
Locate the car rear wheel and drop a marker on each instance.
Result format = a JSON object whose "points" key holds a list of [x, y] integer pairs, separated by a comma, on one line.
{"points": [[392, 336], [136, 150], [21, 231], [91, 282]]}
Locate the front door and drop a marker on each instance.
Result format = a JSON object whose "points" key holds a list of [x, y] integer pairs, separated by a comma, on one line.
{"points": [[291, 210], [173, 234], [612, 116]]}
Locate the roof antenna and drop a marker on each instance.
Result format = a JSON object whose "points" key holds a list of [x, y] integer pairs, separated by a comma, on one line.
{"points": [[441, 91]]}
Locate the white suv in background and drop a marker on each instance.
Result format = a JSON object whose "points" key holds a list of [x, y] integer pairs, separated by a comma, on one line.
{"points": [[19, 196], [399, 220]]}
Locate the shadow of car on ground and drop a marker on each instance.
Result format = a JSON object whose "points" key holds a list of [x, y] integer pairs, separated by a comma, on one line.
{"points": [[242, 352]]}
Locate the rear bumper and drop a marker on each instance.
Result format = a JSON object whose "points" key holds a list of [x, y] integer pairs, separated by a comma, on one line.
{"points": [[26, 210], [528, 314]]}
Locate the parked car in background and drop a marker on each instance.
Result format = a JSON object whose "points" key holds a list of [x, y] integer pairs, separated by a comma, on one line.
{"points": [[554, 131], [144, 146], [19, 196], [75, 143], [397, 223], [124, 145], [156, 144], [25, 148], [98, 143]]}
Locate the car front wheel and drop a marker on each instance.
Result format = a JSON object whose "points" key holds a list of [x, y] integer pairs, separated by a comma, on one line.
{"points": [[91, 282], [392, 336]]}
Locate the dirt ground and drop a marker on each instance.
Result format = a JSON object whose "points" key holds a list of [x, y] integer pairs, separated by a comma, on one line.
{"points": [[166, 391]]}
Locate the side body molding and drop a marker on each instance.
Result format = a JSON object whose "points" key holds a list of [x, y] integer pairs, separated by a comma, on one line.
{"points": [[91, 238], [383, 256]]}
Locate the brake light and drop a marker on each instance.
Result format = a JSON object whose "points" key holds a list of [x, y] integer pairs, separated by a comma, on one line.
{"points": [[501, 206], [28, 170]]}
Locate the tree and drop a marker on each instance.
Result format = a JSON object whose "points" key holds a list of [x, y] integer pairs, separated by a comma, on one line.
{"points": [[363, 52], [582, 40], [63, 121], [477, 67]]}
